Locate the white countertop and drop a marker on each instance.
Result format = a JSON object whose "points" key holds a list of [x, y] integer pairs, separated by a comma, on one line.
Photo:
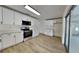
{"points": [[5, 29], [9, 31]]}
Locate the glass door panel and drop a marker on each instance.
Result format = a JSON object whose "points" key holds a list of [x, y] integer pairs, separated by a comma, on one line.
{"points": [[74, 30]]}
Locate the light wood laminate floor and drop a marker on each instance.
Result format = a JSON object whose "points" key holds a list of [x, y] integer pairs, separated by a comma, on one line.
{"points": [[39, 44]]}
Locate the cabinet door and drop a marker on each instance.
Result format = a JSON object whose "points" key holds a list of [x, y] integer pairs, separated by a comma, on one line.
{"points": [[19, 37], [11, 39], [8, 40], [24, 17], [18, 18], [8, 16], [29, 18], [0, 15], [5, 40]]}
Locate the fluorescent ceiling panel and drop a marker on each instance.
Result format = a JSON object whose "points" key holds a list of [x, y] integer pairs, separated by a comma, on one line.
{"points": [[32, 10]]}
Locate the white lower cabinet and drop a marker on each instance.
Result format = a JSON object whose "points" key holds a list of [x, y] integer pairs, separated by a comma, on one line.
{"points": [[12, 39], [19, 37], [7, 40]]}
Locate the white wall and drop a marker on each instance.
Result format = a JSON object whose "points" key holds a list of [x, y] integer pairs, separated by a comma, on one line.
{"points": [[46, 27], [51, 27], [57, 25], [35, 27]]}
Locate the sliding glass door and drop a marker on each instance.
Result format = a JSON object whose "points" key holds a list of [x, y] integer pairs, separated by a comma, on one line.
{"points": [[74, 30], [68, 30]]}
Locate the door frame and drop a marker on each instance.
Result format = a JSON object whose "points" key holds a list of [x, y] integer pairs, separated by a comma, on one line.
{"points": [[68, 14]]}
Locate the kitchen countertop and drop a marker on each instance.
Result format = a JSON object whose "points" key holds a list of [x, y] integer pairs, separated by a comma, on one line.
{"points": [[7, 29], [2, 32]]}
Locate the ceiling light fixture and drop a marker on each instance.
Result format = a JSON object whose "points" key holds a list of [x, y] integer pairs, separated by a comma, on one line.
{"points": [[32, 10]]}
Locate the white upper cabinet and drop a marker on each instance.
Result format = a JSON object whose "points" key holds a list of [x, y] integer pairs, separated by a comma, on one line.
{"points": [[0, 15], [24, 17], [29, 18], [33, 21], [18, 18], [8, 16]]}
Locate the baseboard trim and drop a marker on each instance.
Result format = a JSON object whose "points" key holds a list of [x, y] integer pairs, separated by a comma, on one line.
{"points": [[57, 36], [46, 34]]}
